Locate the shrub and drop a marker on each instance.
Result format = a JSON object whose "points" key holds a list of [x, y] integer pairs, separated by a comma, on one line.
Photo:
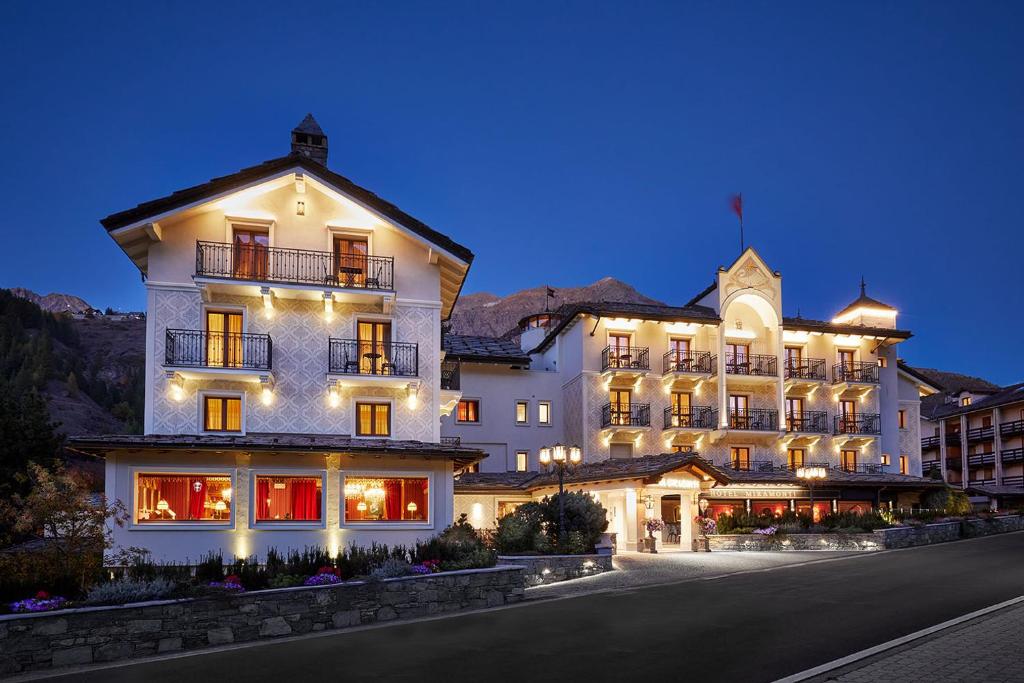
{"points": [[948, 499], [127, 590], [210, 568], [583, 514], [357, 561], [249, 573], [391, 568], [517, 532], [457, 547], [854, 522], [285, 581]]}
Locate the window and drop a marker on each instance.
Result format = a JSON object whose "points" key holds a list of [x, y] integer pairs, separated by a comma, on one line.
{"points": [[886, 460], [375, 349], [522, 461], [373, 419], [847, 417], [902, 419], [737, 359], [182, 498], [883, 362], [794, 414], [386, 499], [222, 413], [739, 415], [848, 460], [618, 351], [679, 355], [544, 412], [249, 257], [681, 416], [965, 401], [846, 359], [739, 456], [794, 357], [795, 458], [350, 262], [507, 507], [619, 400], [468, 410], [904, 465], [288, 498], [223, 339], [522, 412]]}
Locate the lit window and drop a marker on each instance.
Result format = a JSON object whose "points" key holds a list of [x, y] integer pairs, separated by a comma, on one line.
{"points": [[682, 449], [795, 458], [885, 458], [163, 498], [544, 413], [386, 499], [848, 460], [522, 412], [904, 468], [883, 362], [468, 410], [522, 458], [965, 401], [222, 414], [373, 419], [507, 507], [739, 456], [902, 417], [289, 499]]}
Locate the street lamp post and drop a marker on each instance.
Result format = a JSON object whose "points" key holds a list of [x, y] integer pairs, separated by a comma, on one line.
{"points": [[562, 457], [810, 475]]}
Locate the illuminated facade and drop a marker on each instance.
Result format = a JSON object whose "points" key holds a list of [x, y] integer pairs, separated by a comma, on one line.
{"points": [[293, 365]]}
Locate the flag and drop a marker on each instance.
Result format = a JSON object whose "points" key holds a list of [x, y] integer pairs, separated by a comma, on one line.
{"points": [[551, 292], [737, 205]]}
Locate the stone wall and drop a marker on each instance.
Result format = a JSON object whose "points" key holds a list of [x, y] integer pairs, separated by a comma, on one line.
{"points": [[795, 542], [31, 642], [542, 569], [909, 536]]}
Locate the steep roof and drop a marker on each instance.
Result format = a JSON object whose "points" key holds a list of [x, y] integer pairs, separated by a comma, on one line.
{"points": [[474, 349], [309, 126], [955, 382], [864, 301]]}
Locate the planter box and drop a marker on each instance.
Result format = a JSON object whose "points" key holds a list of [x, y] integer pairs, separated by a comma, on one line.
{"points": [[543, 569], [32, 642]]}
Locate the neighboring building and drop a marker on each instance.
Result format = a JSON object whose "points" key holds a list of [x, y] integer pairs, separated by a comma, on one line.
{"points": [[726, 376], [293, 365], [972, 436]]}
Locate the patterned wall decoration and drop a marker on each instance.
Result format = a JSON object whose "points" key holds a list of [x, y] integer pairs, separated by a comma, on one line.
{"points": [[299, 332]]}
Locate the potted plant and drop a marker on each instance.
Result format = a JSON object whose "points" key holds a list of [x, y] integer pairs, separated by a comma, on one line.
{"points": [[650, 543], [705, 527]]}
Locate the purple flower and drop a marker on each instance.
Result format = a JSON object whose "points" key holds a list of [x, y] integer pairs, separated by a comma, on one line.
{"points": [[321, 580], [38, 604], [421, 569], [227, 585], [770, 531]]}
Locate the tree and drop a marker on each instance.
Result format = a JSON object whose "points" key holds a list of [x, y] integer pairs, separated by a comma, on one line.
{"points": [[72, 385], [26, 436]]}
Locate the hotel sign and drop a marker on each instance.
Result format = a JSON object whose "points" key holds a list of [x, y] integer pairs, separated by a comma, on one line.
{"points": [[786, 493]]}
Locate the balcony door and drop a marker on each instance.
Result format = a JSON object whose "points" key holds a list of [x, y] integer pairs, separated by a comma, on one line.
{"points": [[795, 458], [794, 360], [847, 416], [848, 460], [737, 358], [681, 410], [846, 361], [620, 400], [350, 259], [680, 351], [374, 344], [739, 456], [794, 414], [224, 339], [250, 254], [618, 351], [739, 411]]}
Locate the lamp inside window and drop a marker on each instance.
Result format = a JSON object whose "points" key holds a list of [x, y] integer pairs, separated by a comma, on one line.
{"points": [[170, 498], [386, 499], [289, 498]]}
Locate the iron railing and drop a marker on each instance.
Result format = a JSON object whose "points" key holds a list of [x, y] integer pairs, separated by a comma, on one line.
{"points": [[804, 368], [930, 442], [748, 465], [793, 467], [981, 459], [752, 419], [359, 357], [953, 438], [451, 374], [981, 433], [625, 358], [808, 421], [203, 349], [863, 468], [451, 440], [1013, 481], [855, 371], [293, 266], [1012, 454], [1011, 428], [626, 415], [694, 417], [981, 482], [754, 364], [862, 423], [687, 361]]}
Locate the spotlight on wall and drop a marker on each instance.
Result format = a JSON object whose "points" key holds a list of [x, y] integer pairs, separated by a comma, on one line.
{"points": [[300, 183], [267, 392], [412, 392], [328, 306], [333, 398], [268, 301], [300, 208], [176, 386]]}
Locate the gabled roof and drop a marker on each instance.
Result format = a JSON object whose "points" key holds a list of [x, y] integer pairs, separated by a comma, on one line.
{"points": [[474, 349], [864, 301], [918, 375], [824, 326], [223, 184]]}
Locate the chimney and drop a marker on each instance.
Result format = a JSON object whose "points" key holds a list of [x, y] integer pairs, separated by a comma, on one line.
{"points": [[308, 139]]}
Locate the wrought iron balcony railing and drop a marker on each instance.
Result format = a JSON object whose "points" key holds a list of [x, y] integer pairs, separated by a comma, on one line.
{"points": [[695, 417], [981, 433], [202, 349], [1012, 428], [805, 368], [625, 415], [451, 375], [625, 358], [863, 468], [865, 372], [451, 440], [753, 364], [981, 459], [753, 419], [359, 357], [687, 361], [863, 423], [293, 266], [930, 442], [748, 465], [808, 421]]}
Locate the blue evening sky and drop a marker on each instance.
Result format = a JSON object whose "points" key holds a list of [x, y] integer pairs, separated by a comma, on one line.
{"points": [[560, 141]]}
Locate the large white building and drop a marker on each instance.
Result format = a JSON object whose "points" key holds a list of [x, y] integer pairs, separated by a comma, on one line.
{"points": [[293, 365]]}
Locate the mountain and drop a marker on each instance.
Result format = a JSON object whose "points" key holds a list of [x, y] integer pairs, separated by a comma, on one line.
{"points": [[492, 316], [53, 302]]}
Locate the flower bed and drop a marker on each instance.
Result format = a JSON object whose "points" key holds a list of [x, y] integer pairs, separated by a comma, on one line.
{"points": [[545, 569]]}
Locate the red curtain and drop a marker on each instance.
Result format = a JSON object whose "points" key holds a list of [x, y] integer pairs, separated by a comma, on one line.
{"points": [[197, 498], [392, 499], [416, 492], [175, 491], [262, 499], [305, 500]]}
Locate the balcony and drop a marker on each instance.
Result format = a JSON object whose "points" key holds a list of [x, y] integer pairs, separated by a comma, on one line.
{"points": [[954, 462], [747, 465], [752, 420], [688, 362], [451, 440], [981, 433], [808, 422], [695, 417], [1013, 481], [981, 459], [620, 416], [1012, 454], [981, 482], [361, 362], [198, 354], [953, 439], [805, 370], [863, 468], [855, 372], [751, 365], [929, 442], [625, 360], [930, 465], [451, 375], [1012, 428], [865, 424]]}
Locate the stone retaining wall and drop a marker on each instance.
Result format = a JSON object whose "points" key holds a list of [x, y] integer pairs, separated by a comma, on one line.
{"points": [[542, 569], [898, 537], [30, 642]]}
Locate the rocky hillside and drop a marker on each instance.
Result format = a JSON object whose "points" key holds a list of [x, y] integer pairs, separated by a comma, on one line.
{"points": [[489, 315], [53, 302]]}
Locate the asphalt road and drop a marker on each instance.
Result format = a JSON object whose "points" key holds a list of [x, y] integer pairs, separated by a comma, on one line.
{"points": [[751, 627]]}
